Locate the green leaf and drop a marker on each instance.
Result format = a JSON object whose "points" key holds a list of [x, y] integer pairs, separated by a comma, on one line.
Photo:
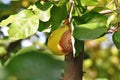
{"points": [[58, 14], [79, 47], [92, 17], [4, 7], [43, 26], [34, 65], [89, 31], [2, 51], [42, 10], [62, 2], [25, 24], [100, 8], [111, 20], [89, 2], [43, 5], [116, 39], [117, 11], [26, 49], [7, 21]]}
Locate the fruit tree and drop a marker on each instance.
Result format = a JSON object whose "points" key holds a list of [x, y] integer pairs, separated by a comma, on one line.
{"points": [[66, 25]]}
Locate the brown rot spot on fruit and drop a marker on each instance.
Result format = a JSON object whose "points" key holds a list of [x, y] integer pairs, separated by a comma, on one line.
{"points": [[66, 42]]}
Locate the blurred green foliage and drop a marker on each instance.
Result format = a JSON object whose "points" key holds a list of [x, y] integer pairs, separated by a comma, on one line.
{"points": [[37, 64], [103, 61], [34, 65], [31, 64]]}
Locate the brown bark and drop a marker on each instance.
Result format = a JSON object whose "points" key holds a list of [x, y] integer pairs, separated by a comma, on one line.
{"points": [[74, 67]]}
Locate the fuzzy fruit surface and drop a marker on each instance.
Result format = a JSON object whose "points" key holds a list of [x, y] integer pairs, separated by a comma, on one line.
{"points": [[60, 41]]}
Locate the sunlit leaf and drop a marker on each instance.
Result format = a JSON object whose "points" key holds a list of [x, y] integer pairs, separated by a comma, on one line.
{"points": [[2, 51], [62, 2], [89, 2], [25, 24], [92, 17], [100, 8], [111, 19], [7, 21], [58, 14], [89, 31], [42, 10]]}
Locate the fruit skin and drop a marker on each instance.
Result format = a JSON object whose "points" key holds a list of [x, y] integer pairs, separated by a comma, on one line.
{"points": [[60, 42]]}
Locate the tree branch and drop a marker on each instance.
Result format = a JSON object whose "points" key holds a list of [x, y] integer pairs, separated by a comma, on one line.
{"points": [[70, 10], [68, 20], [106, 12], [74, 67]]}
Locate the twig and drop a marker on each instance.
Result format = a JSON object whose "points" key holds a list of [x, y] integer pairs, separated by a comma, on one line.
{"points": [[70, 10], [109, 3], [117, 7], [110, 31], [106, 12], [109, 11], [68, 20], [116, 3]]}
